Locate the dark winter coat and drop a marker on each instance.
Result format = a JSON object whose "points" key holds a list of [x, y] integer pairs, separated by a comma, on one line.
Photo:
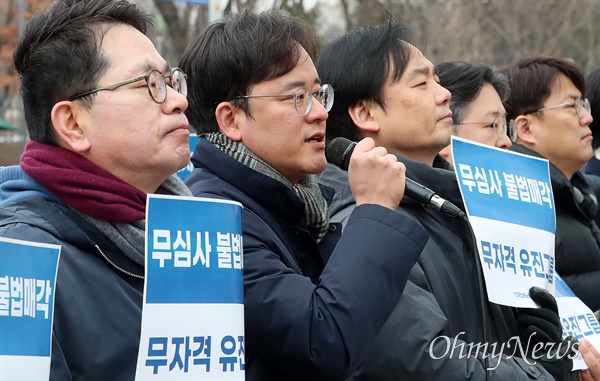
{"points": [[310, 311], [577, 249], [442, 298], [98, 298]]}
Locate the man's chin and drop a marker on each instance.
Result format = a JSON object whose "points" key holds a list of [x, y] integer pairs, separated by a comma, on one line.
{"points": [[318, 168]]}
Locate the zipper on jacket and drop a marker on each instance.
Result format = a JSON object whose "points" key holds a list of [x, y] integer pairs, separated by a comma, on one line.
{"points": [[115, 266]]}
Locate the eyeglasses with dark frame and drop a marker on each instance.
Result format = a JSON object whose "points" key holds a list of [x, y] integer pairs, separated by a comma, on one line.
{"points": [[155, 81], [500, 126], [302, 100], [579, 104]]}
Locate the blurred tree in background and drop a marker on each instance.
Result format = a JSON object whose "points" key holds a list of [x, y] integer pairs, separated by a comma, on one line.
{"points": [[494, 32]]}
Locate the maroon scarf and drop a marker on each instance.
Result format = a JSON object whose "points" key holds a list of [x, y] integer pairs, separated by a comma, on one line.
{"points": [[82, 184]]}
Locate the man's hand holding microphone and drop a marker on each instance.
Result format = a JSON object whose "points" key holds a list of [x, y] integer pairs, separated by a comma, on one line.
{"points": [[375, 176]]}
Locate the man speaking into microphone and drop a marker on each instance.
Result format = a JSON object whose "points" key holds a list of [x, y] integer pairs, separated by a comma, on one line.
{"points": [[388, 91], [314, 300]]}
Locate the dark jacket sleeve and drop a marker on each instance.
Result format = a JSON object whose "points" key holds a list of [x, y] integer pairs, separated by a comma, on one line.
{"points": [[585, 286], [578, 260], [13, 226], [321, 331], [97, 311], [412, 346]]}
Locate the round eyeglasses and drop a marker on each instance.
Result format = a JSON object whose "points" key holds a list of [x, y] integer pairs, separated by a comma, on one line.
{"points": [[578, 104], [500, 126], [303, 98], [155, 81]]}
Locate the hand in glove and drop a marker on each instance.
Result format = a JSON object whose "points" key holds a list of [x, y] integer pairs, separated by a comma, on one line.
{"points": [[539, 326]]}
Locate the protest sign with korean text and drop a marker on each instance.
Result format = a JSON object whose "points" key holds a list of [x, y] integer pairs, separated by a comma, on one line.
{"points": [[576, 319], [193, 313], [27, 284], [508, 198]]}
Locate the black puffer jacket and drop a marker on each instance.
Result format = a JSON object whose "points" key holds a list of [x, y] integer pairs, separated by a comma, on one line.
{"points": [[441, 299], [98, 300], [310, 312], [577, 235]]}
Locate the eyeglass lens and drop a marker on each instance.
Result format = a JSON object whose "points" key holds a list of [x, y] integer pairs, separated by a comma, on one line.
{"points": [[512, 130], [158, 88], [502, 128], [303, 99], [581, 104], [325, 96], [178, 82], [499, 129]]}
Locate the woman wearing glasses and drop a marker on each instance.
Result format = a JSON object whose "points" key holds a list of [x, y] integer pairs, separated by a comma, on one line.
{"points": [[552, 120], [477, 104]]}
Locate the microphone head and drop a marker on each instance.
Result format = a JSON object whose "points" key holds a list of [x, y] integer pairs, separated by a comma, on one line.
{"points": [[338, 152]]}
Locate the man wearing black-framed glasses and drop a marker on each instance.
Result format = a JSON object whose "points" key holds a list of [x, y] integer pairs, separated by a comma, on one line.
{"points": [[155, 81], [107, 128], [552, 119]]}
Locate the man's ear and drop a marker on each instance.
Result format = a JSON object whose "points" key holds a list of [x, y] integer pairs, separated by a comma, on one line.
{"points": [[525, 128], [361, 114], [228, 117], [66, 119]]}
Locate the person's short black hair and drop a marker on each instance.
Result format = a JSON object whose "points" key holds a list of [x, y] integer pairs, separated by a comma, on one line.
{"points": [[234, 54], [59, 55], [358, 65], [531, 81], [465, 81]]}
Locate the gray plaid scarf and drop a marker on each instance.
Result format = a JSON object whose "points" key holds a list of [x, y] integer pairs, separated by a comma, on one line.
{"points": [[130, 237], [315, 210]]}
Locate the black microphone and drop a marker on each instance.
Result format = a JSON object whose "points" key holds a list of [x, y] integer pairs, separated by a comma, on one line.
{"points": [[338, 152]]}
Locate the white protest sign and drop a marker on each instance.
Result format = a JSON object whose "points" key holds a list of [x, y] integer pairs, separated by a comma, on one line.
{"points": [[576, 319], [509, 202], [193, 312]]}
